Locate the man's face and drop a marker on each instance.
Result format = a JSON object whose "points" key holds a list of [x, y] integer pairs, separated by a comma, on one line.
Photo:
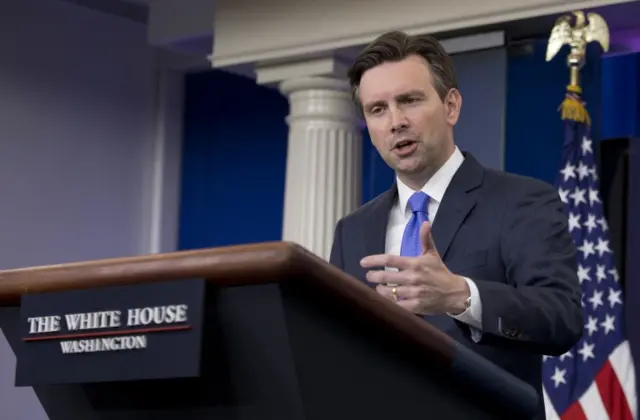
{"points": [[410, 126]]}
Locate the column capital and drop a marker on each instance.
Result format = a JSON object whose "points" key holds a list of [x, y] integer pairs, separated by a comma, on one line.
{"points": [[301, 67], [287, 87], [325, 100]]}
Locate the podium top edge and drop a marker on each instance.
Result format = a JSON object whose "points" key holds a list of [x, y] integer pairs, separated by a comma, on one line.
{"points": [[251, 264], [228, 264]]}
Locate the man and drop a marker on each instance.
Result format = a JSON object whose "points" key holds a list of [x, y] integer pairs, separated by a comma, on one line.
{"points": [[496, 270]]}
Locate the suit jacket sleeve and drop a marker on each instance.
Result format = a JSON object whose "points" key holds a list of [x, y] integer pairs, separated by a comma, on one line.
{"points": [[539, 308], [336, 257]]}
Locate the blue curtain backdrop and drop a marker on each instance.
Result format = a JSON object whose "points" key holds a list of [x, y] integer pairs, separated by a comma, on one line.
{"points": [[620, 96], [377, 177], [233, 164]]}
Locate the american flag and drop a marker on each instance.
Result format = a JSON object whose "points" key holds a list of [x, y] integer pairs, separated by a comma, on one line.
{"points": [[595, 379]]}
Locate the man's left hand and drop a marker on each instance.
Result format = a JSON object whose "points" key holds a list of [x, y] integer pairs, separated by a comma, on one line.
{"points": [[422, 284]]}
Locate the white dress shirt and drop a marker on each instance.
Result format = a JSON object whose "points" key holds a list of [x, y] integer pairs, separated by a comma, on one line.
{"points": [[401, 213]]}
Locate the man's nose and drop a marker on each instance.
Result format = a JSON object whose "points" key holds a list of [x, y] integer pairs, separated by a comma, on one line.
{"points": [[399, 121]]}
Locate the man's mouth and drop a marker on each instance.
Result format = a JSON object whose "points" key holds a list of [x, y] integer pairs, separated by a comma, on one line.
{"points": [[402, 144], [405, 148]]}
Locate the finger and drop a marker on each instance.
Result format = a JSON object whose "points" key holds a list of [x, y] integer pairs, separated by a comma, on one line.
{"points": [[386, 260], [387, 291], [402, 292], [426, 239], [386, 277], [406, 277]]}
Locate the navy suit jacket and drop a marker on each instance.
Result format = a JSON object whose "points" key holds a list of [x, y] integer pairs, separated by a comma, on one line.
{"points": [[508, 234]]}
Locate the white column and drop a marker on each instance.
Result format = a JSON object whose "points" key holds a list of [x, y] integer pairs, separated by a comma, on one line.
{"points": [[161, 209], [323, 181]]}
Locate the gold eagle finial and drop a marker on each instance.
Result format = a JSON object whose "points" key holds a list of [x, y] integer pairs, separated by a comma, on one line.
{"points": [[577, 37]]}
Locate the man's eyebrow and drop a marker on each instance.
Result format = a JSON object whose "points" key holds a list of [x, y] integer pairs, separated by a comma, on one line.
{"points": [[414, 92], [374, 104], [398, 97]]}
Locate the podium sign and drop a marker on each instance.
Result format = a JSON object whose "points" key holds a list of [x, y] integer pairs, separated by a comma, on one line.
{"points": [[117, 333]]}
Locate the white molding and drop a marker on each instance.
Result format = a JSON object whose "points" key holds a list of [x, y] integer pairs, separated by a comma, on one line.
{"points": [[291, 67], [339, 24], [330, 66]]}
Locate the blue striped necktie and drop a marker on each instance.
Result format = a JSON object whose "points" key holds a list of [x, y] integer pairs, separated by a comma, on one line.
{"points": [[411, 246]]}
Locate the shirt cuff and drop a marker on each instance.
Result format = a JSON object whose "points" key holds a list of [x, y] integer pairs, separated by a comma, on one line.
{"points": [[472, 316]]}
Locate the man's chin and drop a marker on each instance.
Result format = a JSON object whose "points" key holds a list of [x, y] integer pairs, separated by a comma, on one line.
{"points": [[409, 167]]}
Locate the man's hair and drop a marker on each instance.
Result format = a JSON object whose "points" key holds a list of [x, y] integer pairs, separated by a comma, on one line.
{"points": [[396, 46]]}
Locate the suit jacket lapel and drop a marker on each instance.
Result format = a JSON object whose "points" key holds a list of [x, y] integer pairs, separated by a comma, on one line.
{"points": [[457, 203], [377, 220]]}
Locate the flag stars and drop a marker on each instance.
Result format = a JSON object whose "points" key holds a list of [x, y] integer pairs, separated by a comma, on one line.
{"points": [[583, 273], [559, 377], [601, 274], [569, 171], [567, 355], [590, 224], [596, 299], [583, 171], [586, 145], [592, 325], [594, 196], [574, 221], [587, 249], [602, 247], [567, 377], [587, 351], [578, 196], [614, 274], [603, 224], [607, 324], [614, 297]]}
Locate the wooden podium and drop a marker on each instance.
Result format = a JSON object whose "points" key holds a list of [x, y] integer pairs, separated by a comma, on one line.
{"points": [[284, 336]]}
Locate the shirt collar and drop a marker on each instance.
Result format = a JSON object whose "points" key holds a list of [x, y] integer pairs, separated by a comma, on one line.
{"points": [[437, 184]]}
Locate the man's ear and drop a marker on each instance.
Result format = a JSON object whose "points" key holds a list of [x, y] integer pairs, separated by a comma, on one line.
{"points": [[452, 106]]}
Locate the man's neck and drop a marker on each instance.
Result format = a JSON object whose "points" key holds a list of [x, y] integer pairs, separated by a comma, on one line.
{"points": [[417, 181]]}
